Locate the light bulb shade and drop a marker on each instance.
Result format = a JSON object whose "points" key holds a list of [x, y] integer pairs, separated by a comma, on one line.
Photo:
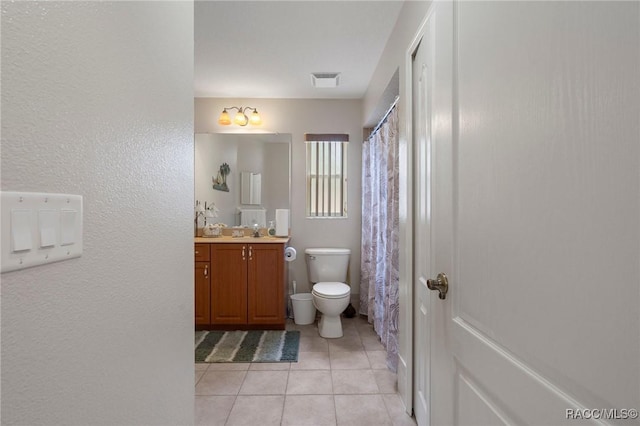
{"points": [[199, 208], [240, 119], [255, 118], [224, 119]]}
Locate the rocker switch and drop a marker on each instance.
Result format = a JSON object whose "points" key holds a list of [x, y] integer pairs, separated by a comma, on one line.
{"points": [[20, 230], [68, 231], [48, 221]]}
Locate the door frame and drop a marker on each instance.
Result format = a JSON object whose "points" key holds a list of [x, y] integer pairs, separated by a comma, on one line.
{"points": [[405, 358]]}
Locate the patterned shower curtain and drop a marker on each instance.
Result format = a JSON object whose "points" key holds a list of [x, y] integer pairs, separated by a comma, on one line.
{"points": [[379, 270]]}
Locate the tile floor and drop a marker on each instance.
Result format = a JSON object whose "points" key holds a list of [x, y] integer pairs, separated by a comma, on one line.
{"points": [[335, 382]]}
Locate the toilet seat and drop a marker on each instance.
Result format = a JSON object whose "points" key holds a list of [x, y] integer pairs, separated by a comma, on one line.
{"points": [[331, 290]]}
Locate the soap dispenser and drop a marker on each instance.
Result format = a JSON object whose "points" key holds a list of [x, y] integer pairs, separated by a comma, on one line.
{"points": [[272, 229]]}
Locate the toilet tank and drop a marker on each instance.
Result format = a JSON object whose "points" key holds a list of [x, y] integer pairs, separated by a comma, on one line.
{"points": [[327, 264]]}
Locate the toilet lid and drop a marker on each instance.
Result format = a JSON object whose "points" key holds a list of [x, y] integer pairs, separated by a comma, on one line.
{"points": [[331, 290]]}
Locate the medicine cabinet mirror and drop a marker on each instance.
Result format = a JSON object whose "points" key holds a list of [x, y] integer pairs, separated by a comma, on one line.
{"points": [[259, 177]]}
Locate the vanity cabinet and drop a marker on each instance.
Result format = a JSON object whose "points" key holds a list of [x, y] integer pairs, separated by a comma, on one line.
{"points": [[229, 285], [202, 284], [265, 284], [247, 286]]}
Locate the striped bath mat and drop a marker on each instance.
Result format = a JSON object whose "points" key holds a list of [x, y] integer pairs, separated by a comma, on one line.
{"points": [[247, 346]]}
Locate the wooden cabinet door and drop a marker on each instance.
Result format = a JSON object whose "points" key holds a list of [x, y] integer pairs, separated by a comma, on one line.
{"points": [[229, 283], [201, 252], [265, 284], [202, 293]]}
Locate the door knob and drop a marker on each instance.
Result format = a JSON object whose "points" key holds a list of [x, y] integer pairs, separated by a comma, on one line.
{"points": [[441, 284]]}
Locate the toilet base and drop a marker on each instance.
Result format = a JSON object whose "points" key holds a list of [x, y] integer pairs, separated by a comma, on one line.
{"points": [[330, 327]]}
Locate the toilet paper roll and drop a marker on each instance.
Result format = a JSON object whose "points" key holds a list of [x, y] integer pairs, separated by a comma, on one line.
{"points": [[290, 254]]}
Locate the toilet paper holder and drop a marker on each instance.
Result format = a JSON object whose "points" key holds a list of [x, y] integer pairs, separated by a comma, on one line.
{"points": [[290, 254]]}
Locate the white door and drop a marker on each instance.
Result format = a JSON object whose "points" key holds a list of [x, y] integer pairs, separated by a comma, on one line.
{"points": [[421, 80], [431, 97], [536, 215]]}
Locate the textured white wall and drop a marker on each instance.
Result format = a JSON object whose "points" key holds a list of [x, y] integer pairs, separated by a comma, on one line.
{"points": [[97, 100], [376, 100], [299, 116]]}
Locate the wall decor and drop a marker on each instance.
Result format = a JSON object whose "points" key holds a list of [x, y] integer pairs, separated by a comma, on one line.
{"points": [[220, 181]]}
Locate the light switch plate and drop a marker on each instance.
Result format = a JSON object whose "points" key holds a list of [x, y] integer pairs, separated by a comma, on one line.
{"points": [[39, 228]]}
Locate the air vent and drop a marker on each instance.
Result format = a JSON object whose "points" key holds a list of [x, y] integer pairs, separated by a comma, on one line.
{"points": [[324, 80]]}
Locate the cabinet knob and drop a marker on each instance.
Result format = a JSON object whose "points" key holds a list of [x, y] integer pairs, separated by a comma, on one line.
{"points": [[250, 253], [243, 256], [206, 270]]}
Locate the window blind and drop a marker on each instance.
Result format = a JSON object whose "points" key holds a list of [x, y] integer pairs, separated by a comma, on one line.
{"points": [[326, 175]]}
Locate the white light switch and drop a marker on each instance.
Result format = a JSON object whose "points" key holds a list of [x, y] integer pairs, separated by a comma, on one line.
{"points": [[48, 223], [20, 230], [39, 228], [68, 227]]}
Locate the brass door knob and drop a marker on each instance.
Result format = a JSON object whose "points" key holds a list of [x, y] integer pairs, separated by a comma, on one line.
{"points": [[441, 284]]}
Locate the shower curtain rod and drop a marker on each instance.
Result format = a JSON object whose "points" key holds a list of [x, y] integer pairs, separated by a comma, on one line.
{"points": [[384, 117]]}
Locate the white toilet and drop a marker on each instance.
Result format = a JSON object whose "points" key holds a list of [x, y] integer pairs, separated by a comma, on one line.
{"points": [[327, 269]]}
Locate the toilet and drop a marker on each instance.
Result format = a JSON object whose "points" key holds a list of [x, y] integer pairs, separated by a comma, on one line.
{"points": [[327, 270]]}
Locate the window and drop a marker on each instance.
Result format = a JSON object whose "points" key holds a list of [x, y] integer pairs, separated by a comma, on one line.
{"points": [[326, 175]]}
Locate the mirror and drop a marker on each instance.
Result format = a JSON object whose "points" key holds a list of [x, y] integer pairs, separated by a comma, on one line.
{"points": [[264, 158]]}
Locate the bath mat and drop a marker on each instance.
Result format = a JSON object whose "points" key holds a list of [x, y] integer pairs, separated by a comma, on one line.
{"points": [[247, 346]]}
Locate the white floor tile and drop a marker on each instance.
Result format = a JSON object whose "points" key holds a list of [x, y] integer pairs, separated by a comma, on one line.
{"points": [[264, 383], [354, 382], [335, 382], [220, 383], [263, 410], [310, 382], [212, 410], [361, 410], [309, 410]]}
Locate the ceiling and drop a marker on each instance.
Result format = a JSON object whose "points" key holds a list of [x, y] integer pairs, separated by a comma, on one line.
{"points": [[268, 49]]}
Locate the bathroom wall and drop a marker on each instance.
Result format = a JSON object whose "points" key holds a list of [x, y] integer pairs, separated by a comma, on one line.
{"points": [[300, 116], [97, 100], [375, 102]]}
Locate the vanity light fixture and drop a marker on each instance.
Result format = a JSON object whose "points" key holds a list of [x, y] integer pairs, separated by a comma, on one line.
{"points": [[240, 118]]}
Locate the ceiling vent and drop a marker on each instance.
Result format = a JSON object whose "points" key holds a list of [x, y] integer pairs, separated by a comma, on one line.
{"points": [[325, 80]]}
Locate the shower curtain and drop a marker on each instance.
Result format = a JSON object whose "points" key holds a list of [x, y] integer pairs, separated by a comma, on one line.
{"points": [[379, 269]]}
